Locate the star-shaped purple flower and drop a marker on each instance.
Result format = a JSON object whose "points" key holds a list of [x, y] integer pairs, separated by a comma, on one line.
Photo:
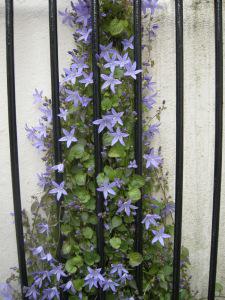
{"points": [[132, 165], [110, 81], [67, 18], [128, 44], [127, 207], [107, 188], [153, 161], [131, 70], [88, 79], [150, 220], [105, 122], [94, 278], [37, 96], [160, 236], [118, 136], [58, 190], [63, 114], [68, 137]]}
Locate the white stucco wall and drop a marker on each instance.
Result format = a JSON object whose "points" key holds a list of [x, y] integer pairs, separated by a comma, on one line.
{"points": [[33, 70]]}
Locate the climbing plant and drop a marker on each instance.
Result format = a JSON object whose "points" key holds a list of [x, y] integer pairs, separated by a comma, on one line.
{"points": [[76, 270]]}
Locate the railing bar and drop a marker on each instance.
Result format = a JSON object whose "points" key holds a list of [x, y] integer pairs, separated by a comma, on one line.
{"points": [[97, 136], [179, 147], [56, 107], [218, 146], [13, 142], [138, 243]]}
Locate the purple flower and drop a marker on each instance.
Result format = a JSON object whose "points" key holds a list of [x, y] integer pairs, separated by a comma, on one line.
{"points": [[84, 34], [107, 188], [119, 269], [152, 130], [94, 278], [63, 114], [150, 220], [132, 165], [168, 209], [118, 182], [112, 63], [68, 137], [153, 161], [150, 4], [150, 83], [106, 50], [116, 116], [43, 179], [110, 285], [43, 228], [105, 122], [124, 278], [127, 207], [47, 113], [149, 101], [79, 63], [58, 190], [123, 60], [50, 294], [58, 272], [6, 291], [131, 70], [31, 292], [110, 81], [160, 236], [37, 96], [48, 257], [68, 287], [59, 168], [85, 101], [152, 32], [67, 18], [73, 96], [128, 43], [82, 11], [88, 79], [71, 75], [38, 251], [118, 136]]}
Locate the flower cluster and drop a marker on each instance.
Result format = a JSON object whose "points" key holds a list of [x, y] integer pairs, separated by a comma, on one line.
{"points": [[67, 207]]}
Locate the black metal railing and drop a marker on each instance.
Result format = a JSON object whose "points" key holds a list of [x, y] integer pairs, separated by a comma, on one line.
{"points": [[138, 135]]}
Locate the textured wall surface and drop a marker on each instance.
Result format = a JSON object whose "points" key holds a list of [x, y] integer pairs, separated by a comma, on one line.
{"points": [[33, 71]]}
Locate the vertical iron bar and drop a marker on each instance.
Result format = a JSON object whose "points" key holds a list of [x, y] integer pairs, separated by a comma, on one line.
{"points": [[13, 142], [179, 147], [55, 106], [97, 136], [138, 243], [218, 146]]}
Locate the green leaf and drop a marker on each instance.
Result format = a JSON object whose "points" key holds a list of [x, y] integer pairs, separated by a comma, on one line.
{"points": [[73, 263], [87, 233], [66, 229], [137, 181], [116, 221], [135, 259], [117, 150], [115, 242], [134, 194], [76, 151], [116, 26], [78, 284], [83, 195], [66, 248], [70, 267], [80, 178]]}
